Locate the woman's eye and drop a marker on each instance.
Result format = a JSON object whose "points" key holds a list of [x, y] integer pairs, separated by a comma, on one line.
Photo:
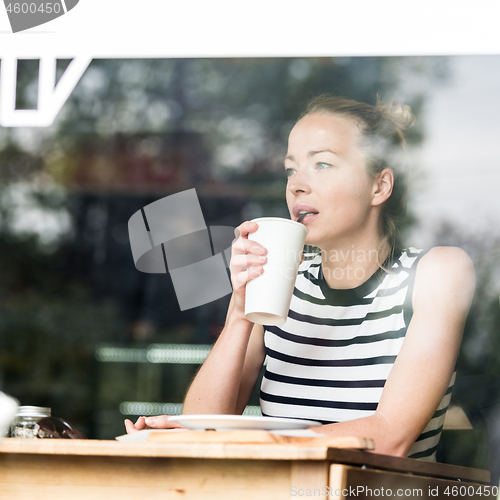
{"points": [[323, 165], [289, 172]]}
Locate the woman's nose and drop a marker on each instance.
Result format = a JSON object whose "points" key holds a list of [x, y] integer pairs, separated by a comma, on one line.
{"points": [[299, 183]]}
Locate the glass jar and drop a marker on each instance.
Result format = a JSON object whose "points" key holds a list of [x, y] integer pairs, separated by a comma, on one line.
{"points": [[25, 423]]}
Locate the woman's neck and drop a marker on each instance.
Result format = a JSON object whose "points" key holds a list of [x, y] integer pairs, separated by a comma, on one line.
{"points": [[350, 265]]}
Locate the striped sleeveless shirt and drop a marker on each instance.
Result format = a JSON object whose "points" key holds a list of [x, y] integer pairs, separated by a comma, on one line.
{"points": [[330, 360]]}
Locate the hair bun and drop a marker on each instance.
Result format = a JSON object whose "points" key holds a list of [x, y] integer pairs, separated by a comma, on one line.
{"points": [[404, 113], [399, 114]]}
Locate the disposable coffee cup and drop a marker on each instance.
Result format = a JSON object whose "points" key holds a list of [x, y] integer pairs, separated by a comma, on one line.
{"points": [[268, 296]]}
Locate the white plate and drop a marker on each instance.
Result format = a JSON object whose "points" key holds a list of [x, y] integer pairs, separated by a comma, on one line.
{"points": [[142, 436], [240, 422]]}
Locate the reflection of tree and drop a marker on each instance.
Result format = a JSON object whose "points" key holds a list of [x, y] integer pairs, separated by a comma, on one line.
{"points": [[481, 342], [149, 127], [245, 108], [237, 111], [478, 371]]}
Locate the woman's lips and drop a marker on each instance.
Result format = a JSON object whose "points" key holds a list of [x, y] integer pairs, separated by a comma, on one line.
{"points": [[304, 213], [308, 218], [300, 208]]}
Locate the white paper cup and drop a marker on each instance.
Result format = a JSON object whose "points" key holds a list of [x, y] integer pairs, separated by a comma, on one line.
{"points": [[268, 296]]}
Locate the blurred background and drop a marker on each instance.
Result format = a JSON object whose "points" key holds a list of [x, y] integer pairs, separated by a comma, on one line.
{"points": [[85, 333]]}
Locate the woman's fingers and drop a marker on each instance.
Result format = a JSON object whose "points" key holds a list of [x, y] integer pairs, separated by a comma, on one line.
{"points": [[247, 260], [246, 253], [162, 422], [244, 261], [246, 267], [244, 277], [159, 422], [245, 228], [138, 426], [129, 426], [242, 244]]}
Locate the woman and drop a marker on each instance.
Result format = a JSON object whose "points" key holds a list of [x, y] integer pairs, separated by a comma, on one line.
{"points": [[371, 341]]}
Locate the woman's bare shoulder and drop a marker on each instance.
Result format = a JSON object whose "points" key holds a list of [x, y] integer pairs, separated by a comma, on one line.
{"points": [[446, 259], [446, 270]]}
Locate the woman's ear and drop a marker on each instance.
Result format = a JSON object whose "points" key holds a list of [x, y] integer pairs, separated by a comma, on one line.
{"points": [[382, 187]]}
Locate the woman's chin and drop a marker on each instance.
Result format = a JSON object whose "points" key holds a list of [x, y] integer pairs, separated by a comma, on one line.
{"points": [[313, 242]]}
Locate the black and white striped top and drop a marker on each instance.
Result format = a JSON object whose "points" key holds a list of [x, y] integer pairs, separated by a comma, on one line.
{"points": [[330, 360]]}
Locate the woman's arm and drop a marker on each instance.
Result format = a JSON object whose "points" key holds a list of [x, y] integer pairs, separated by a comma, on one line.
{"points": [[226, 379], [443, 292], [228, 375]]}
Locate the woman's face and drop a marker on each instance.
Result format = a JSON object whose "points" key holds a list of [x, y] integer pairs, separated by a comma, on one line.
{"points": [[326, 175]]}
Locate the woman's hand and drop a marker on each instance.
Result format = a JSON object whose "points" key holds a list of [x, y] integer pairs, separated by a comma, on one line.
{"points": [[247, 260], [159, 422]]}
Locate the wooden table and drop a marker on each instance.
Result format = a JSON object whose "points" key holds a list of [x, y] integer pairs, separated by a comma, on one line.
{"points": [[72, 470]]}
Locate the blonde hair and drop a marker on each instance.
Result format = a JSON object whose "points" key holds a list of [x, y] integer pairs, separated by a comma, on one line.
{"points": [[383, 142]]}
